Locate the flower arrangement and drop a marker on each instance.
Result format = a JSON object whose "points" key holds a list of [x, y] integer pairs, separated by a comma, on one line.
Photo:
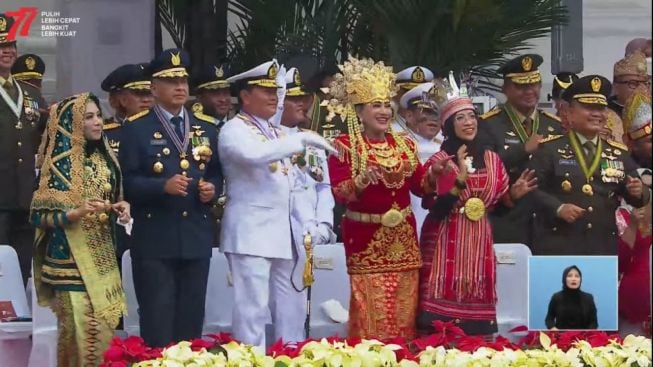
{"points": [[449, 346]]}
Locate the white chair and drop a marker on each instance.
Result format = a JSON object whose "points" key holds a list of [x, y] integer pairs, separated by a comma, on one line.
{"points": [[331, 282], [512, 286], [44, 334], [130, 320], [219, 296], [14, 336]]}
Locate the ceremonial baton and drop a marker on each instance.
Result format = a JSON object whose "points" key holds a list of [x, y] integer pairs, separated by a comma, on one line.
{"points": [[308, 280]]}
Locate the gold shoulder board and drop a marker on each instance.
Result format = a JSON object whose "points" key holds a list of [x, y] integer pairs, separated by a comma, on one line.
{"points": [[550, 138], [617, 144], [137, 115], [551, 116], [110, 125], [203, 117], [491, 113]]}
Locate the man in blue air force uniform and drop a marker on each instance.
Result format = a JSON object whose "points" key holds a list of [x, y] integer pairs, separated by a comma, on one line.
{"points": [[256, 234], [171, 174]]}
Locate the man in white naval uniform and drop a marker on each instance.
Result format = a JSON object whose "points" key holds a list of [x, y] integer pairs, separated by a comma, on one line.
{"points": [[421, 113], [256, 235], [408, 79], [311, 212]]}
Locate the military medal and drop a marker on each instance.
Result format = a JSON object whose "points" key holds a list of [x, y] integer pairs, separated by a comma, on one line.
{"points": [[184, 163], [202, 166], [166, 151], [273, 166], [587, 171], [566, 186], [181, 144]]}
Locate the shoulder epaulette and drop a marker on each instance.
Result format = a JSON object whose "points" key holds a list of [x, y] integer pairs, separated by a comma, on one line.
{"points": [[617, 144], [491, 113], [110, 125], [203, 117], [551, 116], [550, 138], [137, 115]]}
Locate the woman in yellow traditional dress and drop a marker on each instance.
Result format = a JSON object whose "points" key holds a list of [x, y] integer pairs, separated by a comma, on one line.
{"points": [[74, 209], [373, 175]]}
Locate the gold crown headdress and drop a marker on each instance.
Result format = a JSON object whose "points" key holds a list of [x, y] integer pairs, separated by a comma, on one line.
{"points": [[637, 114], [362, 81]]}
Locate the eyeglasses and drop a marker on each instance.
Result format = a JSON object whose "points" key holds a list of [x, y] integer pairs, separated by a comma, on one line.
{"points": [[633, 84]]}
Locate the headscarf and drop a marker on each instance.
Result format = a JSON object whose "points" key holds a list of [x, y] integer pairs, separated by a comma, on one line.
{"points": [[457, 100], [565, 272], [65, 181]]}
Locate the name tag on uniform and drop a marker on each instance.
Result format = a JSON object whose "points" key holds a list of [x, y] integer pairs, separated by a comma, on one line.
{"points": [[567, 162], [158, 142], [325, 263], [512, 141]]}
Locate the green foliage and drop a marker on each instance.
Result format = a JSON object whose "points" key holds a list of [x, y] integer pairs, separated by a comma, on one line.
{"points": [[459, 35]]}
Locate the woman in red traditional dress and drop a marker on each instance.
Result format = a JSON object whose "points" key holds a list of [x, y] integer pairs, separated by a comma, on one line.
{"points": [[457, 280], [373, 176], [634, 226]]}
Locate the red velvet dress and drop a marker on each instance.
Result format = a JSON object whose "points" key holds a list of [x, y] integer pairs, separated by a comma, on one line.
{"points": [[382, 261], [634, 268], [457, 280]]}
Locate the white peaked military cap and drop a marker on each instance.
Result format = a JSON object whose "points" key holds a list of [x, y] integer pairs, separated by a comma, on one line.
{"points": [[263, 75], [410, 77], [294, 86], [421, 95]]}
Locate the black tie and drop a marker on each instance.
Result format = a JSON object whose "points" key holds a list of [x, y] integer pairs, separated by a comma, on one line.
{"points": [[590, 149], [178, 123]]}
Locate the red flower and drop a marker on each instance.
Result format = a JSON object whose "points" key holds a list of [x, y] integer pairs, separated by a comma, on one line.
{"points": [[501, 343], [567, 339], [222, 338], [598, 339], [114, 364], [197, 344], [277, 348], [433, 340], [470, 343], [134, 346], [114, 354]]}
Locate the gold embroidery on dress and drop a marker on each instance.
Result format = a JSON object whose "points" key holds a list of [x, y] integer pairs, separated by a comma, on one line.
{"points": [[383, 305], [99, 236], [390, 249]]}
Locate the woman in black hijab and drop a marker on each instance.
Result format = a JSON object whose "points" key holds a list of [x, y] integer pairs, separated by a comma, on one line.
{"points": [[571, 308]]}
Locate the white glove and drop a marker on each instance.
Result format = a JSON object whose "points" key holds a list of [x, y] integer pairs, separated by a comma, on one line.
{"points": [[315, 140], [281, 96], [321, 234]]}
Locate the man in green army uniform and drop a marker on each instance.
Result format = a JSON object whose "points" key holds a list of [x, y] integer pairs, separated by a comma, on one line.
{"points": [[514, 131], [581, 178], [213, 93], [22, 120], [29, 68]]}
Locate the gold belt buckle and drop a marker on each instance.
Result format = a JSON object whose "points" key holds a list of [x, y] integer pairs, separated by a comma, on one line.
{"points": [[392, 218], [474, 209]]}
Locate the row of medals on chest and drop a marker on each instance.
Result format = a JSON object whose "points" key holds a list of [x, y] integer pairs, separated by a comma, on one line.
{"points": [[30, 111], [201, 152], [612, 169]]}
